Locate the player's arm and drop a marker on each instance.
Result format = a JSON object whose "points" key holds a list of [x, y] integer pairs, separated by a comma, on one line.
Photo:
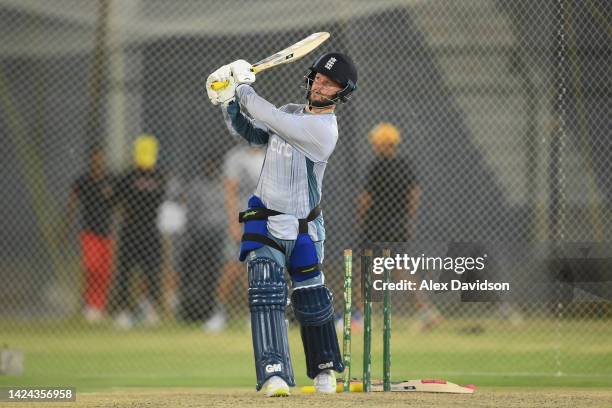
{"points": [[413, 198], [413, 189], [364, 201], [312, 137], [302, 132], [239, 124]]}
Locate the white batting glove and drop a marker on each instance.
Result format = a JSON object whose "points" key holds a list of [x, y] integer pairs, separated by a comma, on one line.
{"points": [[226, 94], [241, 70]]}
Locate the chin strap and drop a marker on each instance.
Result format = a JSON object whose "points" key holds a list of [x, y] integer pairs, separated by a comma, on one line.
{"points": [[319, 105], [313, 107]]}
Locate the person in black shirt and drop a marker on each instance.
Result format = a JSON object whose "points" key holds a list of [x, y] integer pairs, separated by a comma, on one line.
{"points": [[93, 193], [388, 204], [139, 193], [390, 198]]}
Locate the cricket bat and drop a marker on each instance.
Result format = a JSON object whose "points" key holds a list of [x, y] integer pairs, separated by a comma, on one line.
{"points": [[289, 54], [441, 386]]}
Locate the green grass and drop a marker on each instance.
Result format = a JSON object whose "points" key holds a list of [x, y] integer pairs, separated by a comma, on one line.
{"points": [[501, 355]]}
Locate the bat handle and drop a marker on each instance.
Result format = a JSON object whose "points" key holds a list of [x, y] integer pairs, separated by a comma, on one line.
{"points": [[217, 86]]}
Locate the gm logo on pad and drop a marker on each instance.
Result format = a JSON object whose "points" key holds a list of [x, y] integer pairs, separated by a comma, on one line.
{"points": [[274, 368], [323, 366]]}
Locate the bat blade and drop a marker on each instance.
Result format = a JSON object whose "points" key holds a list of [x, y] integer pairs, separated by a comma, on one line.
{"points": [[289, 54], [441, 386], [292, 53]]}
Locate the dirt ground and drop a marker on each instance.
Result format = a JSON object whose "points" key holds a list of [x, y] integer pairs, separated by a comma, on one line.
{"points": [[239, 398]]}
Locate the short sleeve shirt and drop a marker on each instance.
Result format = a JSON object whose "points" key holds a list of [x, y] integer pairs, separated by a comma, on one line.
{"points": [[96, 200], [140, 193], [388, 181]]}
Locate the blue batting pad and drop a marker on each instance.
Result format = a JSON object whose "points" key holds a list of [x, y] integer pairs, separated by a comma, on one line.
{"points": [[259, 227], [304, 262], [267, 302], [313, 308]]}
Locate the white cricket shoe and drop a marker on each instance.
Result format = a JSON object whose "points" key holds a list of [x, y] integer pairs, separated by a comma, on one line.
{"points": [[325, 382], [216, 323], [275, 387]]}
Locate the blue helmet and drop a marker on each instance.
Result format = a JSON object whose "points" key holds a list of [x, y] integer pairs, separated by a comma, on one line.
{"points": [[338, 67]]}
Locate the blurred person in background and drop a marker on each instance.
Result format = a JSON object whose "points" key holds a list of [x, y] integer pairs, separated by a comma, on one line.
{"points": [[92, 192], [240, 174], [171, 223], [139, 195], [388, 203], [200, 263]]}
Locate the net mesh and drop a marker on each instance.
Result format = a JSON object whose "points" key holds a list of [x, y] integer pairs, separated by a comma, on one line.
{"points": [[504, 115]]}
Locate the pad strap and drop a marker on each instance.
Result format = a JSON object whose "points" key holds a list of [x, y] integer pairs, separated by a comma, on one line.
{"points": [[256, 214], [314, 213], [306, 269]]}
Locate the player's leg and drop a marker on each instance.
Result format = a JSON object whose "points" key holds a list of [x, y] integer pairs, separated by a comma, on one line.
{"points": [[90, 254], [151, 303], [98, 259], [267, 303], [125, 264], [313, 307], [106, 270], [231, 272]]}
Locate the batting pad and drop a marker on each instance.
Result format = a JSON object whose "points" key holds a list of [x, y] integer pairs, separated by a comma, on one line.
{"points": [[313, 308], [267, 302]]}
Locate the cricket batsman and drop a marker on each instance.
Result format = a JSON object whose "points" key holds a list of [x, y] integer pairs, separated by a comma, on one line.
{"points": [[283, 225]]}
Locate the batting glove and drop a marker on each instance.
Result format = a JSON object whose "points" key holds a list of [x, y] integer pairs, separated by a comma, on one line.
{"points": [[226, 94], [241, 70]]}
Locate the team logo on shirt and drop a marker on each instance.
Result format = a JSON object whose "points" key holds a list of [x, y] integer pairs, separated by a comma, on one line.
{"points": [[281, 147]]}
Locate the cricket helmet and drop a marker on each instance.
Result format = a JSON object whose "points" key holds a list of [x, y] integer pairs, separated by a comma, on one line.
{"points": [[338, 67]]}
